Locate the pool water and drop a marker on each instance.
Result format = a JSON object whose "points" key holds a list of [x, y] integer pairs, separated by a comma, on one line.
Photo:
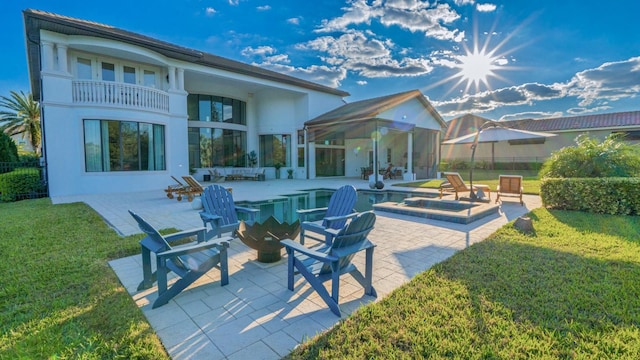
{"points": [[284, 208]]}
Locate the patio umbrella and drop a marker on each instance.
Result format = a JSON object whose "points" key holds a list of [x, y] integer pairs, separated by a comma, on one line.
{"points": [[492, 132]]}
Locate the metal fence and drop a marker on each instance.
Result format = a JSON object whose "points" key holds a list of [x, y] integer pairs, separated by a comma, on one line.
{"points": [[496, 163], [22, 180]]}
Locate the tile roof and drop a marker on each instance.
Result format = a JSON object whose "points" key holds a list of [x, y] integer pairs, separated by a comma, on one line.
{"points": [[36, 20], [631, 119], [372, 108]]}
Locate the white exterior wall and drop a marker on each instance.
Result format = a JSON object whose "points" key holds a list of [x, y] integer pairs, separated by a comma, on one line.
{"points": [[272, 108]]}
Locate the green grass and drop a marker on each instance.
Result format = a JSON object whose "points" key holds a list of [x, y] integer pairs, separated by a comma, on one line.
{"points": [[58, 296], [530, 181], [570, 290]]}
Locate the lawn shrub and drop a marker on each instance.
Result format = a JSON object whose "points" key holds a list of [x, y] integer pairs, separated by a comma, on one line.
{"points": [[614, 196], [8, 153], [21, 183], [590, 158]]}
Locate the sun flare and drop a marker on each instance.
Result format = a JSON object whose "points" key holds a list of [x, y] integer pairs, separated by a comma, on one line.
{"points": [[476, 67]]}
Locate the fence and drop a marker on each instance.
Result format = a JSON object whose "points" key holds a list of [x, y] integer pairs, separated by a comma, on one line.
{"points": [[497, 163], [22, 180]]}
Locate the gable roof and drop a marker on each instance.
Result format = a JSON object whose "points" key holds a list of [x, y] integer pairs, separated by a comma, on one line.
{"points": [[371, 108], [36, 20], [468, 123]]}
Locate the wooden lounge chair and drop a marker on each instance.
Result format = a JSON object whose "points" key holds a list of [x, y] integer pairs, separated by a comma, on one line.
{"points": [[176, 188], [189, 261], [324, 262], [510, 186], [220, 211], [193, 188], [340, 209], [456, 185]]}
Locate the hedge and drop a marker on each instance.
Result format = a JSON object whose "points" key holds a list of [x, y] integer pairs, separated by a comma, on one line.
{"points": [[22, 183], [612, 195]]}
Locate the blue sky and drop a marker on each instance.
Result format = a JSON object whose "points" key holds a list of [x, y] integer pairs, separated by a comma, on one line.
{"points": [[543, 58]]}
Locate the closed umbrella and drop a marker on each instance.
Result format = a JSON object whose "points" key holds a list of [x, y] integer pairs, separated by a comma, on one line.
{"points": [[493, 132]]}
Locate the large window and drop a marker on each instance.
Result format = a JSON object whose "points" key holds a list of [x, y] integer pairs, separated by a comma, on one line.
{"points": [[123, 146], [216, 109], [209, 147], [274, 149]]}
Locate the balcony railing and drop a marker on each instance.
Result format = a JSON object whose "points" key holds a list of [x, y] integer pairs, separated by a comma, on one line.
{"points": [[120, 94]]}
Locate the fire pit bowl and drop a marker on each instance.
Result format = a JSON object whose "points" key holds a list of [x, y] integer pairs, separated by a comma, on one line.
{"points": [[265, 237]]}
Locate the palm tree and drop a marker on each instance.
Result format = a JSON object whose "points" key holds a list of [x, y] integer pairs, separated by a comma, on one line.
{"points": [[22, 116]]}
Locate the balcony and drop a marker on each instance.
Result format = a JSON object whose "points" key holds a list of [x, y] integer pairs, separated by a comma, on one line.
{"points": [[120, 95]]}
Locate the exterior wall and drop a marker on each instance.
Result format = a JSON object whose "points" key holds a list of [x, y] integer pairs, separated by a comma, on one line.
{"points": [[412, 112], [272, 108], [504, 152]]}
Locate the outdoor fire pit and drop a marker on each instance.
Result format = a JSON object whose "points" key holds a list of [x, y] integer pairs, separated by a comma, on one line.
{"points": [[266, 237]]}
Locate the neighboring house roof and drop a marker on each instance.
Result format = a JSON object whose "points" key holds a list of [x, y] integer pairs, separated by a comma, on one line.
{"points": [[371, 108], [469, 123], [36, 20]]}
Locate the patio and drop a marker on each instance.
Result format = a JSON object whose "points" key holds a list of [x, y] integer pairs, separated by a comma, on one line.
{"points": [[255, 316]]}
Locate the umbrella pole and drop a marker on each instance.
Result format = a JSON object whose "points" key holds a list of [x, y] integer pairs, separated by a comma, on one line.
{"points": [[472, 195]]}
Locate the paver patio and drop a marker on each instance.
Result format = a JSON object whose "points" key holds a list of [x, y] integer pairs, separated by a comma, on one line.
{"points": [[256, 316]]}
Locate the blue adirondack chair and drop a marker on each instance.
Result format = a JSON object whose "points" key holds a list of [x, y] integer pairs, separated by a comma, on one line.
{"points": [[324, 262], [189, 261], [336, 214], [220, 212]]}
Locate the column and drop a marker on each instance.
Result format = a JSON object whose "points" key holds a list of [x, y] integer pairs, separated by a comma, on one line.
{"points": [[172, 78], [181, 79], [62, 58], [410, 152], [47, 55]]}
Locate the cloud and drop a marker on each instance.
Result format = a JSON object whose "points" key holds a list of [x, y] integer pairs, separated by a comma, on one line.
{"points": [[260, 51], [361, 82], [294, 21], [264, 8], [485, 7], [593, 88], [414, 16], [234, 2], [610, 81], [329, 76], [209, 11], [366, 56], [464, 2], [531, 115]]}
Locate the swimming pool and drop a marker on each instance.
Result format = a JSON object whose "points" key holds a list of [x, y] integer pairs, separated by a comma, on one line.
{"points": [[284, 208]]}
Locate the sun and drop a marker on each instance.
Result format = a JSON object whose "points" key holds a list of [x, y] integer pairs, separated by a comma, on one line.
{"points": [[476, 67]]}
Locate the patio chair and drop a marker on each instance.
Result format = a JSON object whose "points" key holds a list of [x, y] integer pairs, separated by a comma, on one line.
{"points": [[335, 215], [215, 175], [176, 188], [193, 188], [189, 261], [325, 262], [510, 186], [220, 211], [456, 185]]}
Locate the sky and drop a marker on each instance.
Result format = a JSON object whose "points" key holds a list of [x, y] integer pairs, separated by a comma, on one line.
{"points": [[501, 60]]}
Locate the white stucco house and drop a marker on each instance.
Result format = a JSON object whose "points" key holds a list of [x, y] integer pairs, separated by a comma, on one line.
{"points": [[122, 112]]}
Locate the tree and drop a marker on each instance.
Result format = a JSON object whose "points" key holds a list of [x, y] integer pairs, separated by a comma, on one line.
{"points": [[21, 117], [8, 153], [612, 157]]}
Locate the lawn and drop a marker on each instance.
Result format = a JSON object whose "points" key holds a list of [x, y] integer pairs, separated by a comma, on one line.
{"points": [[570, 290], [530, 181], [59, 298]]}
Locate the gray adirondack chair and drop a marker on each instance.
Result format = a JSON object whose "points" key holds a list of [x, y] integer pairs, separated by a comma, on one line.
{"points": [[221, 213], [336, 214], [324, 262], [189, 261]]}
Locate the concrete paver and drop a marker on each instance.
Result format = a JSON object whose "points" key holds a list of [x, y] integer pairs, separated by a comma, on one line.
{"points": [[256, 316]]}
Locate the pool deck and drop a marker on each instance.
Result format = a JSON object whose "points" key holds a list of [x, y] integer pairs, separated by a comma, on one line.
{"points": [[255, 316]]}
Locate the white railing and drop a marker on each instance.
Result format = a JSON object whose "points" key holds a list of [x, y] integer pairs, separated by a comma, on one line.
{"points": [[120, 94]]}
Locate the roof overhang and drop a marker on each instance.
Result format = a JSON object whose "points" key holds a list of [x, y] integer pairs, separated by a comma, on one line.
{"points": [[35, 21]]}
